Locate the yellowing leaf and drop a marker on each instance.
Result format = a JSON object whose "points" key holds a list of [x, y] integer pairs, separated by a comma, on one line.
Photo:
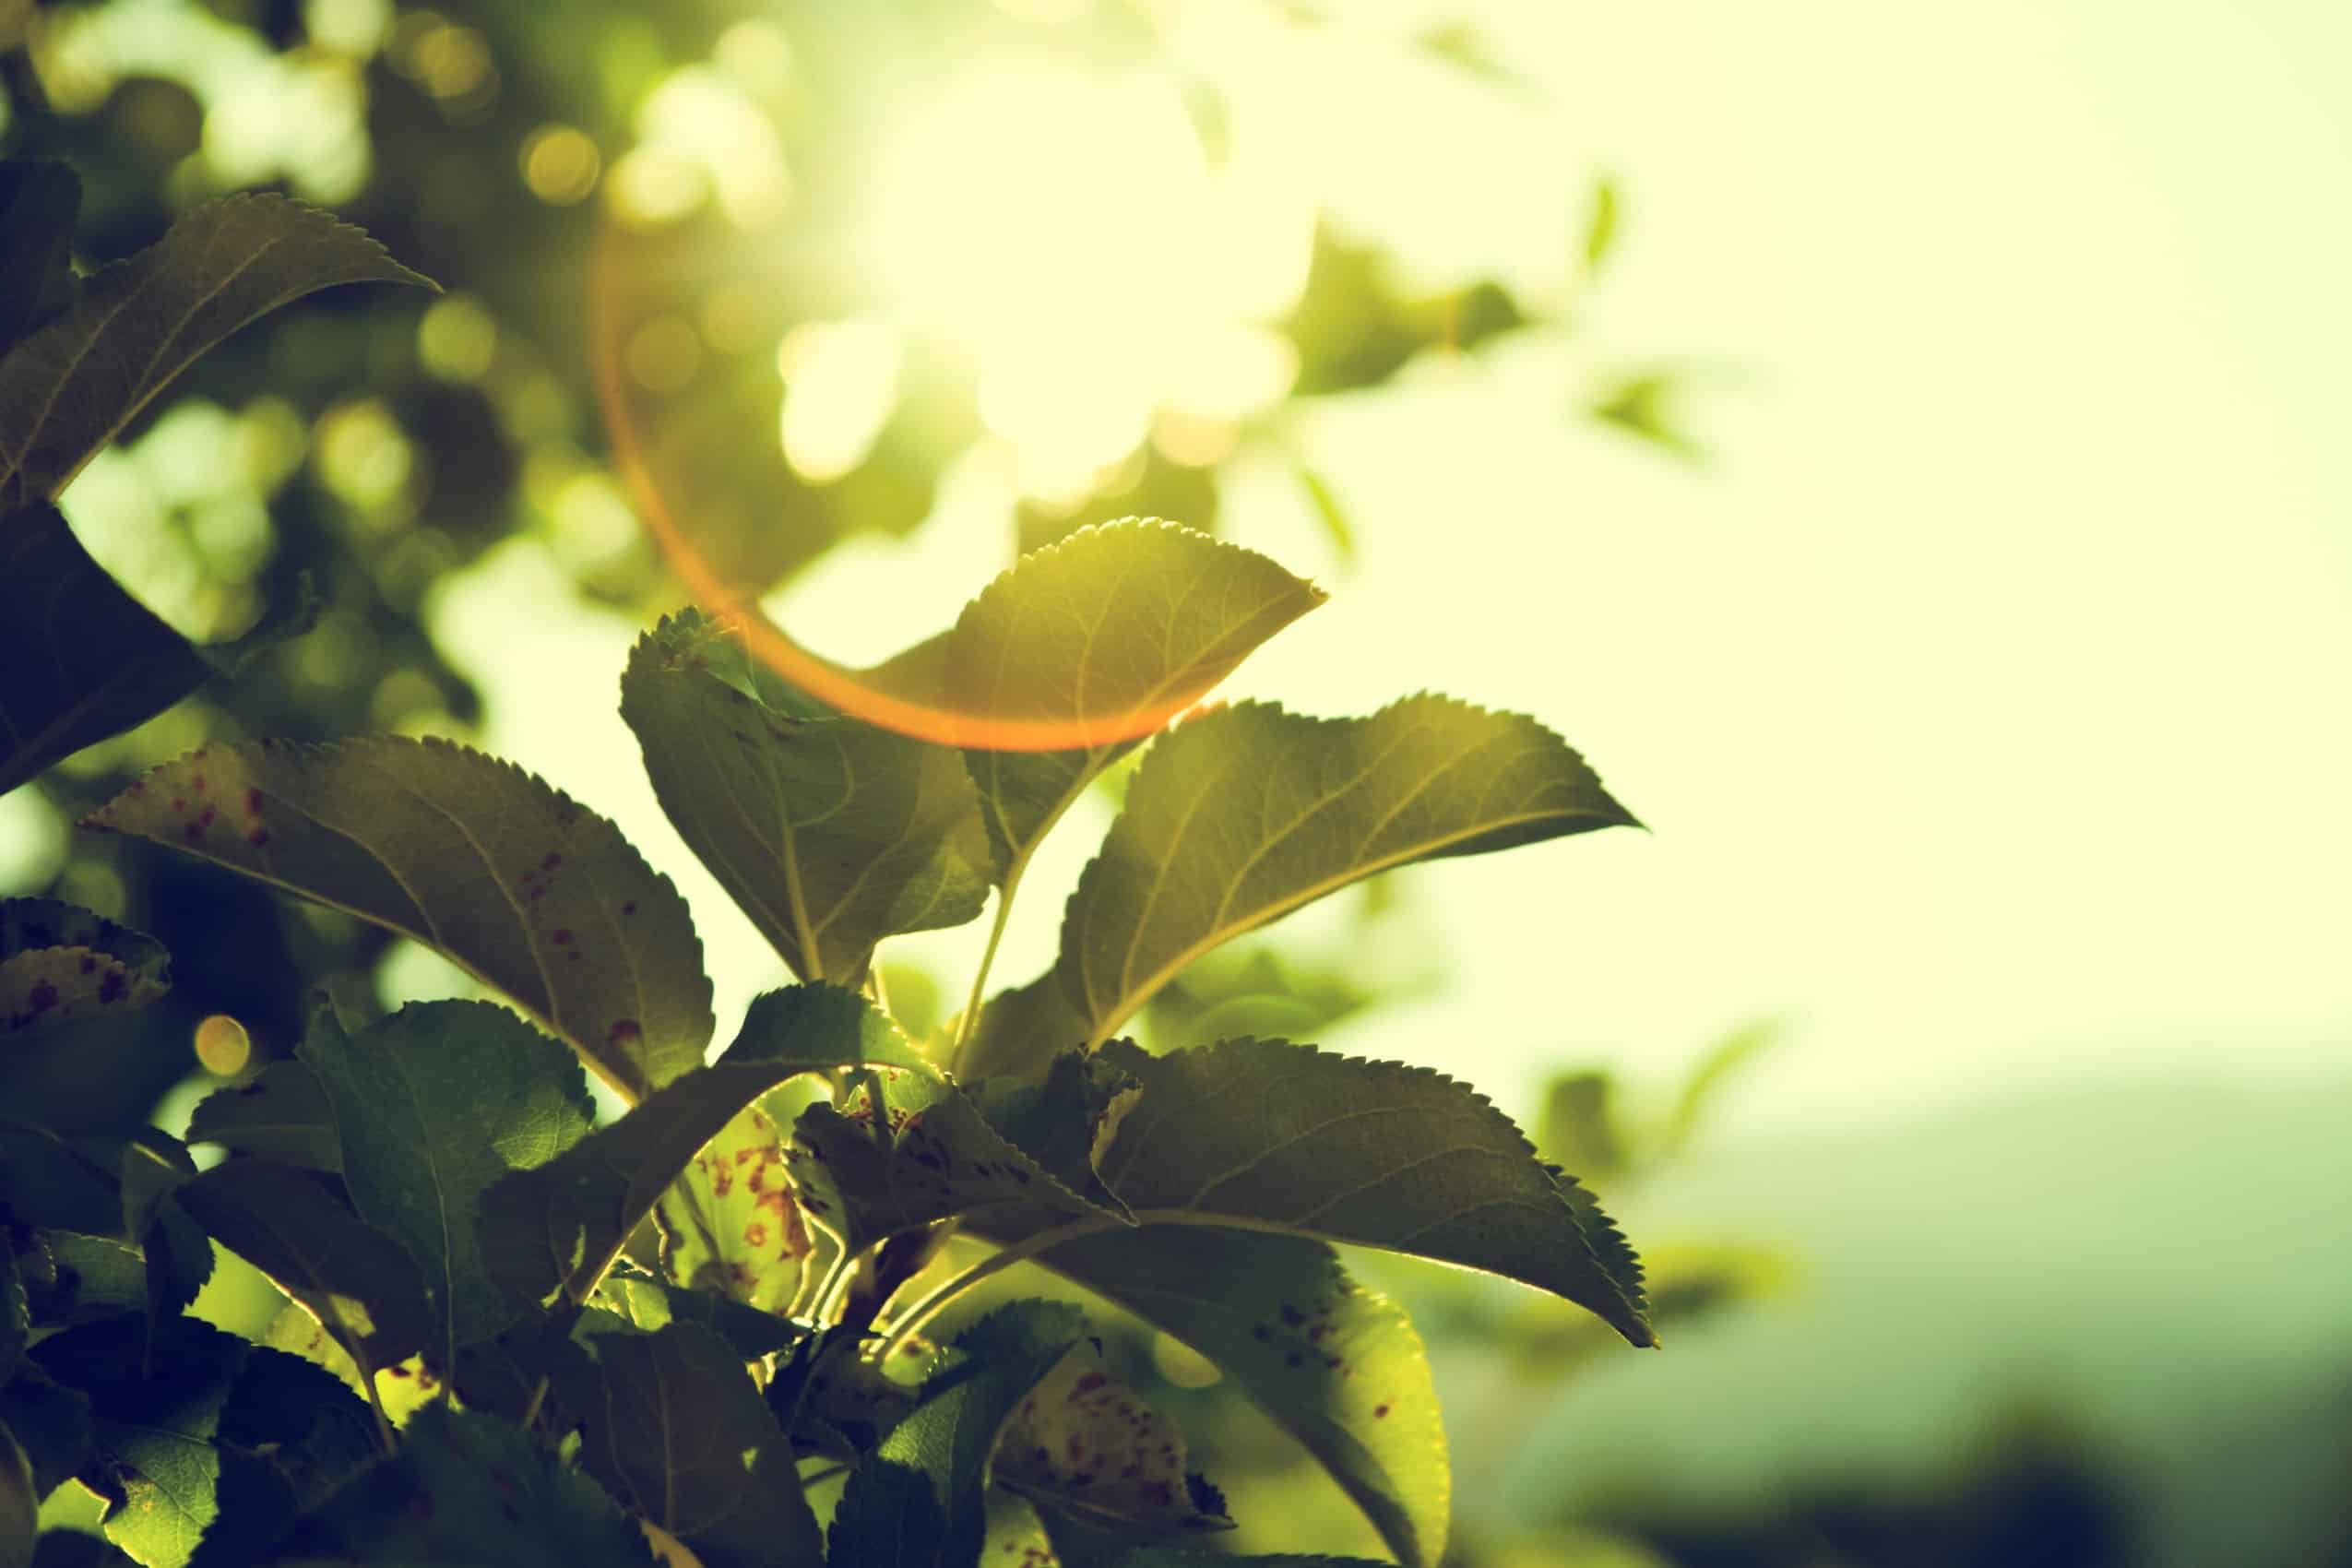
{"points": [[729, 1224]]}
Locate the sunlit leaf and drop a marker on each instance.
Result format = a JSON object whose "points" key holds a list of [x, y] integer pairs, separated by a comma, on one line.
{"points": [[363, 1286], [728, 1224], [281, 1115], [468, 1489], [1244, 813], [72, 1277], [71, 385], [1601, 224], [153, 1436], [433, 1106], [1284, 1136], [504, 876], [85, 659], [560, 1226], [1089, 1446], [59, 964], [830, 833], [1337, 1366], [675, 1430], [944, 1445], [652, 1304], [401, 1388]]}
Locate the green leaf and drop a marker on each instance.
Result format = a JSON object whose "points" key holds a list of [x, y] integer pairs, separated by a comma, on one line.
{"points": [[1088, 1448], [652, 1304], [1269, 1135], [1132, 618], [1337, 1366], [155, 1458], [1579, 1125], [43, 1181], [178, 1258], [1723, 1062], [509, 879], [729, 1224], [432, 1107], [38, 202], [1642, 404], [290, 1434], [71, 385], [941, 1159], [363, 1286], [71, 1277], [59, 963], [1328, 511], [676, 1431], [51, 1423], [19, 1504], [1601, 225], [400, 1388], [282, 1114], [830, 833], [947, 1440], [85, 659], [469, 1489], [1244, 813], [559, 1227]]}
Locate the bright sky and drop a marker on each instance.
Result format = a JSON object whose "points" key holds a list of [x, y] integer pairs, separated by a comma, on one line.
{"points": [[1985, 690]]}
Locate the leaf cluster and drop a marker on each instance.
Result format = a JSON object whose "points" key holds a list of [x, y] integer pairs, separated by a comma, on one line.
{"points": [[512, 1334]]}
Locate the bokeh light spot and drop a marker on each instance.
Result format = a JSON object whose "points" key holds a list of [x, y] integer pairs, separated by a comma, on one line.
{"points": [[222, 1045]]}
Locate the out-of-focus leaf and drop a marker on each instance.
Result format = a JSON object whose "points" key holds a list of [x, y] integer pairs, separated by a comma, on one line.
{"points": [[1337, 1366], [944, 1445], [1328, 511], [1244, 813], [178, 1256], [676, 1431], [1722, 1062], [509, 879], [1601, 225], [154, 1460], [468, 1489], [361, 1285], [830, 833], [559, 1227], [1088, 1448], [1376, 1153], [432, 1107], [85, 659], [59, 964], [1641, 405], [71, 384], [37, 203], [729, 1224], [1579, 1127], [1131, 618], [282, 1114]]}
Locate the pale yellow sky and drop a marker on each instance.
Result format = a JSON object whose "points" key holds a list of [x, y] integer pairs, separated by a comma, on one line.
{"points": [[1984, 689]]}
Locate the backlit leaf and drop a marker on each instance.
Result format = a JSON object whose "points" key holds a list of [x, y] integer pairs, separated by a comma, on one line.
{"points": [[1337, 1366], [946, 1443], [504, 876], [71, 384], [72, 1277], [1286, 1138], [281, 1115], [85, 659], [652, 1304], [360, 1284], [1243, 813], [675, 1430], [433, 1105], [728, 1224], [560, 1226], [59, 963], [830, 833], [1087, 1447]]}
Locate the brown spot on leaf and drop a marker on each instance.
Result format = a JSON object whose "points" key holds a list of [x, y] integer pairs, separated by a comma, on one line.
{"points": [[564, 936], [1380, 1413], [43, 997], [756, 1234], [624, 1031]]}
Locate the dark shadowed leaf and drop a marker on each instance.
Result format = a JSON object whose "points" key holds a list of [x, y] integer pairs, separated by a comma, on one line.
{"points": [[59, 963], [71, 1277], [177, 1255], [651, 1304], [154, 1457], [1284, 1136], [468, 1489], [1244, 813], [282, 1114], [433, 1105], [561, 1225], [360, 1284], [43, 1181], [947, 1440], [675, 1430], [830, 833], [1337, 1366], [85, 659], [38, 203], [71, 384], [19, 1504], [51, 1423], [509, 879]]}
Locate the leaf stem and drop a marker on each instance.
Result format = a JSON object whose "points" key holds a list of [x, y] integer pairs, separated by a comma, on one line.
{"points": [[539, 1397], [965, 1025]]}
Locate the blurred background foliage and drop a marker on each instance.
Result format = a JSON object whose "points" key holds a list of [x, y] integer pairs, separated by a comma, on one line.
{"points": [[837, 321]]}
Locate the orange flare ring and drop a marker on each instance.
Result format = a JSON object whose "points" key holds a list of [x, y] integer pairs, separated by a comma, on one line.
{"points": [[847, 689]]}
